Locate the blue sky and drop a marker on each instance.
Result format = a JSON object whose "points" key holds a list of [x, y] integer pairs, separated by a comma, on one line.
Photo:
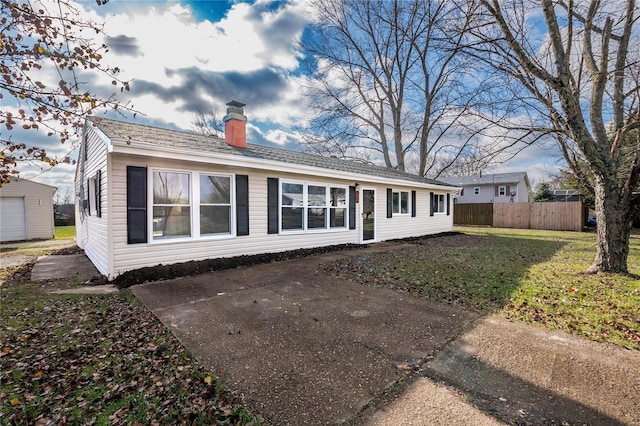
{"points": [[193, 55]]}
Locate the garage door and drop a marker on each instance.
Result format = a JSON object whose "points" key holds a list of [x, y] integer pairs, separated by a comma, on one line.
{"points": [[12, 219]]}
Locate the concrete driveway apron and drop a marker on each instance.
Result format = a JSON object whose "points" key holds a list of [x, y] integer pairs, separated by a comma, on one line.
{"points": [[302, 347]]}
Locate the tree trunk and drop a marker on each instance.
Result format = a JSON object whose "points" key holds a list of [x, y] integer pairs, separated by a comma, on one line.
{"points": [[614, 228]]}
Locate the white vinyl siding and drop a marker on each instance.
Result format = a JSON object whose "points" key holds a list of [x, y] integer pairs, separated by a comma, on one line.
{"points": [[92, 232], [132, 256], [403, 226]]}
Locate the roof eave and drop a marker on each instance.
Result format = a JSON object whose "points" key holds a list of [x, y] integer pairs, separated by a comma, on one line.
{"points": [[151, 150]]}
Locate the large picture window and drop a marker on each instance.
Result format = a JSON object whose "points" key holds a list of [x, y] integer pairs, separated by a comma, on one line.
{"points": [[215, 205], [171, 205], [192, 205], [312, 207]]}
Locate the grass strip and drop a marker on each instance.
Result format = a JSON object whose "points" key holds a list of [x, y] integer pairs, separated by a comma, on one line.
{"points": [[527, 275]]}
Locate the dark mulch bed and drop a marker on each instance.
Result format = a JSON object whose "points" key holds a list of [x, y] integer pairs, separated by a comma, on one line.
{"points": [[167, 272]]}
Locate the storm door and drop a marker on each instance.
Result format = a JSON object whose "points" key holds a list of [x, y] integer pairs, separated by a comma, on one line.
{"points": [[368, 224]]}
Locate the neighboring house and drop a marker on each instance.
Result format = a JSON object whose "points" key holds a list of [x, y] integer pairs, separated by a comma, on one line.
{"points": [[150, 196], [26, 211], [566, 195], [495, 188]]}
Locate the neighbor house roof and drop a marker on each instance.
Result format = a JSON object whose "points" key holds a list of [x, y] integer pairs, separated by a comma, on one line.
{"points": [[489, 179], [127, 134], [30, 182]]}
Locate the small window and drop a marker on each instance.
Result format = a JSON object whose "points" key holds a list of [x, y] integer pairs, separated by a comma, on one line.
{"points": [[93, 206], [439, 205], [400, 202], [502, 191], [171, 205], [476, 190]]}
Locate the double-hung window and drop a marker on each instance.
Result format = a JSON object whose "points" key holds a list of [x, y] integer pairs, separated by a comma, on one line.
{"points": [[400, 202], [439, 203], [292, 201], [337, 207], [215, 204], [317, 206], [312, 206], [171, 204]]}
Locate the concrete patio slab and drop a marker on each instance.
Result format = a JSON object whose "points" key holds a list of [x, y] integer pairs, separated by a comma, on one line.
{"points": [[302, 348]]}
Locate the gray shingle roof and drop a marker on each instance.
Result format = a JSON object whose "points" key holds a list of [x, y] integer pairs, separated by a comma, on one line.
{"points": [[133, 132], [485, 179]]}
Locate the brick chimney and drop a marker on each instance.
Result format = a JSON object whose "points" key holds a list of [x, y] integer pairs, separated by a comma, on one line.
{"points": [[235, 127]]}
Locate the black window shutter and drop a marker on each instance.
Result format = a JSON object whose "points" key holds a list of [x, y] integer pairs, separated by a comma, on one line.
{"points": [[352, 207], [99, 193], [389, 202], [242, 205], [89, 197], [413, 203], [273, 218], [136, 205], [448, 204], [431, 204]]}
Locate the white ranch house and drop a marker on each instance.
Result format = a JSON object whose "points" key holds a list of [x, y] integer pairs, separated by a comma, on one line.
{"points": [[148, 196]]}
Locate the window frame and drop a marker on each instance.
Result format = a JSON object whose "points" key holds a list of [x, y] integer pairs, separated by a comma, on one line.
{"points": [[476, 190], [93, 196], [436, 203], [502, 191], [306, 208], [399, 204], [231, 203], [194, 206]]}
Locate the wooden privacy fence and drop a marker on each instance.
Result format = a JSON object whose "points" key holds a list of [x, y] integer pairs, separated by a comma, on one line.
{"points": [[473, 214], [557, 216]]}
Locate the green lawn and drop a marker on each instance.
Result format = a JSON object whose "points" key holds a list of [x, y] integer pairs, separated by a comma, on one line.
{"points": [[65, 232], [532, 276]]}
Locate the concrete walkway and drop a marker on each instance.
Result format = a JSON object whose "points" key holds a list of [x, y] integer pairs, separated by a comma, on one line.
{"points": [[524, 375]]}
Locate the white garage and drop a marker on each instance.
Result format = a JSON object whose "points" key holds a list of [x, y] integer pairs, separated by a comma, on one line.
{"points": [[26, 211]]}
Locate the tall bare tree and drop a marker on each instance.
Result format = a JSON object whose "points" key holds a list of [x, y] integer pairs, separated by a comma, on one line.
{"points": [[48, 54], [389, 82], [208, 123], [568, 74]]}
